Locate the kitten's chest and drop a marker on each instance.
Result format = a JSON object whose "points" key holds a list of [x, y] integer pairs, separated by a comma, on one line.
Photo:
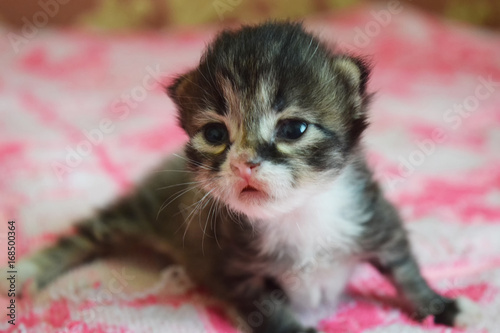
{"points": [[319, 232], [313, 247]]}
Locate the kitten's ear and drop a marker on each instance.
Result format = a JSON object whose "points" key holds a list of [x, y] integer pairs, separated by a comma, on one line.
{"points": [[179, 87], [179, 91], [356, 70]]}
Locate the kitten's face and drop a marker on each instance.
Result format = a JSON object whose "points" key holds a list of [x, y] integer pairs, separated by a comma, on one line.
{"points": [[272, 117]]}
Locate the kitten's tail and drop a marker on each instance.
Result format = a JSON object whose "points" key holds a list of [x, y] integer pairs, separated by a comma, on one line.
{"points": [[93, 238], [36, 271]]}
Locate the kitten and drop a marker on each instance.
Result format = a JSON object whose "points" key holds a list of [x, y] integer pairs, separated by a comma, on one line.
{"points": [[272, 203]]}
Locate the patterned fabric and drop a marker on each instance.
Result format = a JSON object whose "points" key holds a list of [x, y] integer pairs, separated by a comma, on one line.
{"points": [[83, 117]]}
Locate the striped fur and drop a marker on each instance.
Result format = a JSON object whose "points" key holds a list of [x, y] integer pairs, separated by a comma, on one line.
{"points": [[313, 210]]}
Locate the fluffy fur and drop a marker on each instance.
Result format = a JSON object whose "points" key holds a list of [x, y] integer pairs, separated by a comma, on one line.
{"points": [[272, 203]]}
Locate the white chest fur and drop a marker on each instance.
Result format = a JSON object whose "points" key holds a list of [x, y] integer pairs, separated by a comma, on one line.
{"points": [[325, 222], [319, 239]]}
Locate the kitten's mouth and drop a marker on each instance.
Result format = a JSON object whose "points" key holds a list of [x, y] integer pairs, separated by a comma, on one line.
{"points": [[249, 188], [251, 194]]}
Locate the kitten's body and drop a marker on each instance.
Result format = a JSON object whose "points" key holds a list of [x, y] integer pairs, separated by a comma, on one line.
{"points": [[272, 204]]}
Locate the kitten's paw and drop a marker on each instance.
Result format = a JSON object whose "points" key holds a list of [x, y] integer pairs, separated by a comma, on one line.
{"points": [[469, 314], [461, 312]]}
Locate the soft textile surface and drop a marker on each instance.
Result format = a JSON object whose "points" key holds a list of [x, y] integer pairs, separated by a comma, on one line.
{"points": [[82, 118]]}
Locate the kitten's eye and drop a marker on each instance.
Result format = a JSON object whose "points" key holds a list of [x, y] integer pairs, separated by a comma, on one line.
{"points": [[215, 133], [291, 129]]}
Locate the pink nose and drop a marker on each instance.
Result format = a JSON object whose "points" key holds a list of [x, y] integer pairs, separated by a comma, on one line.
{"points": [[244, 170]]}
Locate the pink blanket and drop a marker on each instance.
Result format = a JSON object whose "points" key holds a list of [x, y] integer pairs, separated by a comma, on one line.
{"points": [[83, 117]]}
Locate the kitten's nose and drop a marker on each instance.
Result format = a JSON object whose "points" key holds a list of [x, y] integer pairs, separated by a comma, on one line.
{"points": [[244, 169]]}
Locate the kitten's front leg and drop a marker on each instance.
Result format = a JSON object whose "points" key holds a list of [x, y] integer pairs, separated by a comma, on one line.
{"points": [[265, 315], [404, 273], [263, 306], [393, 258]]}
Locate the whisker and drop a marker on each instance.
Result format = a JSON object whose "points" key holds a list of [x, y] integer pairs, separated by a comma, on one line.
{"points": [[184, 191], [190, 217], [204, 228], [201, 165], [216, 214], [182, 171], [175, 185]]}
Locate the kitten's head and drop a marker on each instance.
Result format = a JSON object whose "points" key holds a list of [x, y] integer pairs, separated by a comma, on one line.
{"points": [[272, 116]]}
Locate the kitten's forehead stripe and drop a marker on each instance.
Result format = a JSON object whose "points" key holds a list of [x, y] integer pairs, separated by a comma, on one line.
{"points": [[279, 103], [266, 127], [227, 95]]}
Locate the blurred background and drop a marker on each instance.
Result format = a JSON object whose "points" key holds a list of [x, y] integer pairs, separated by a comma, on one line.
{"points": [[155, 14]]}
